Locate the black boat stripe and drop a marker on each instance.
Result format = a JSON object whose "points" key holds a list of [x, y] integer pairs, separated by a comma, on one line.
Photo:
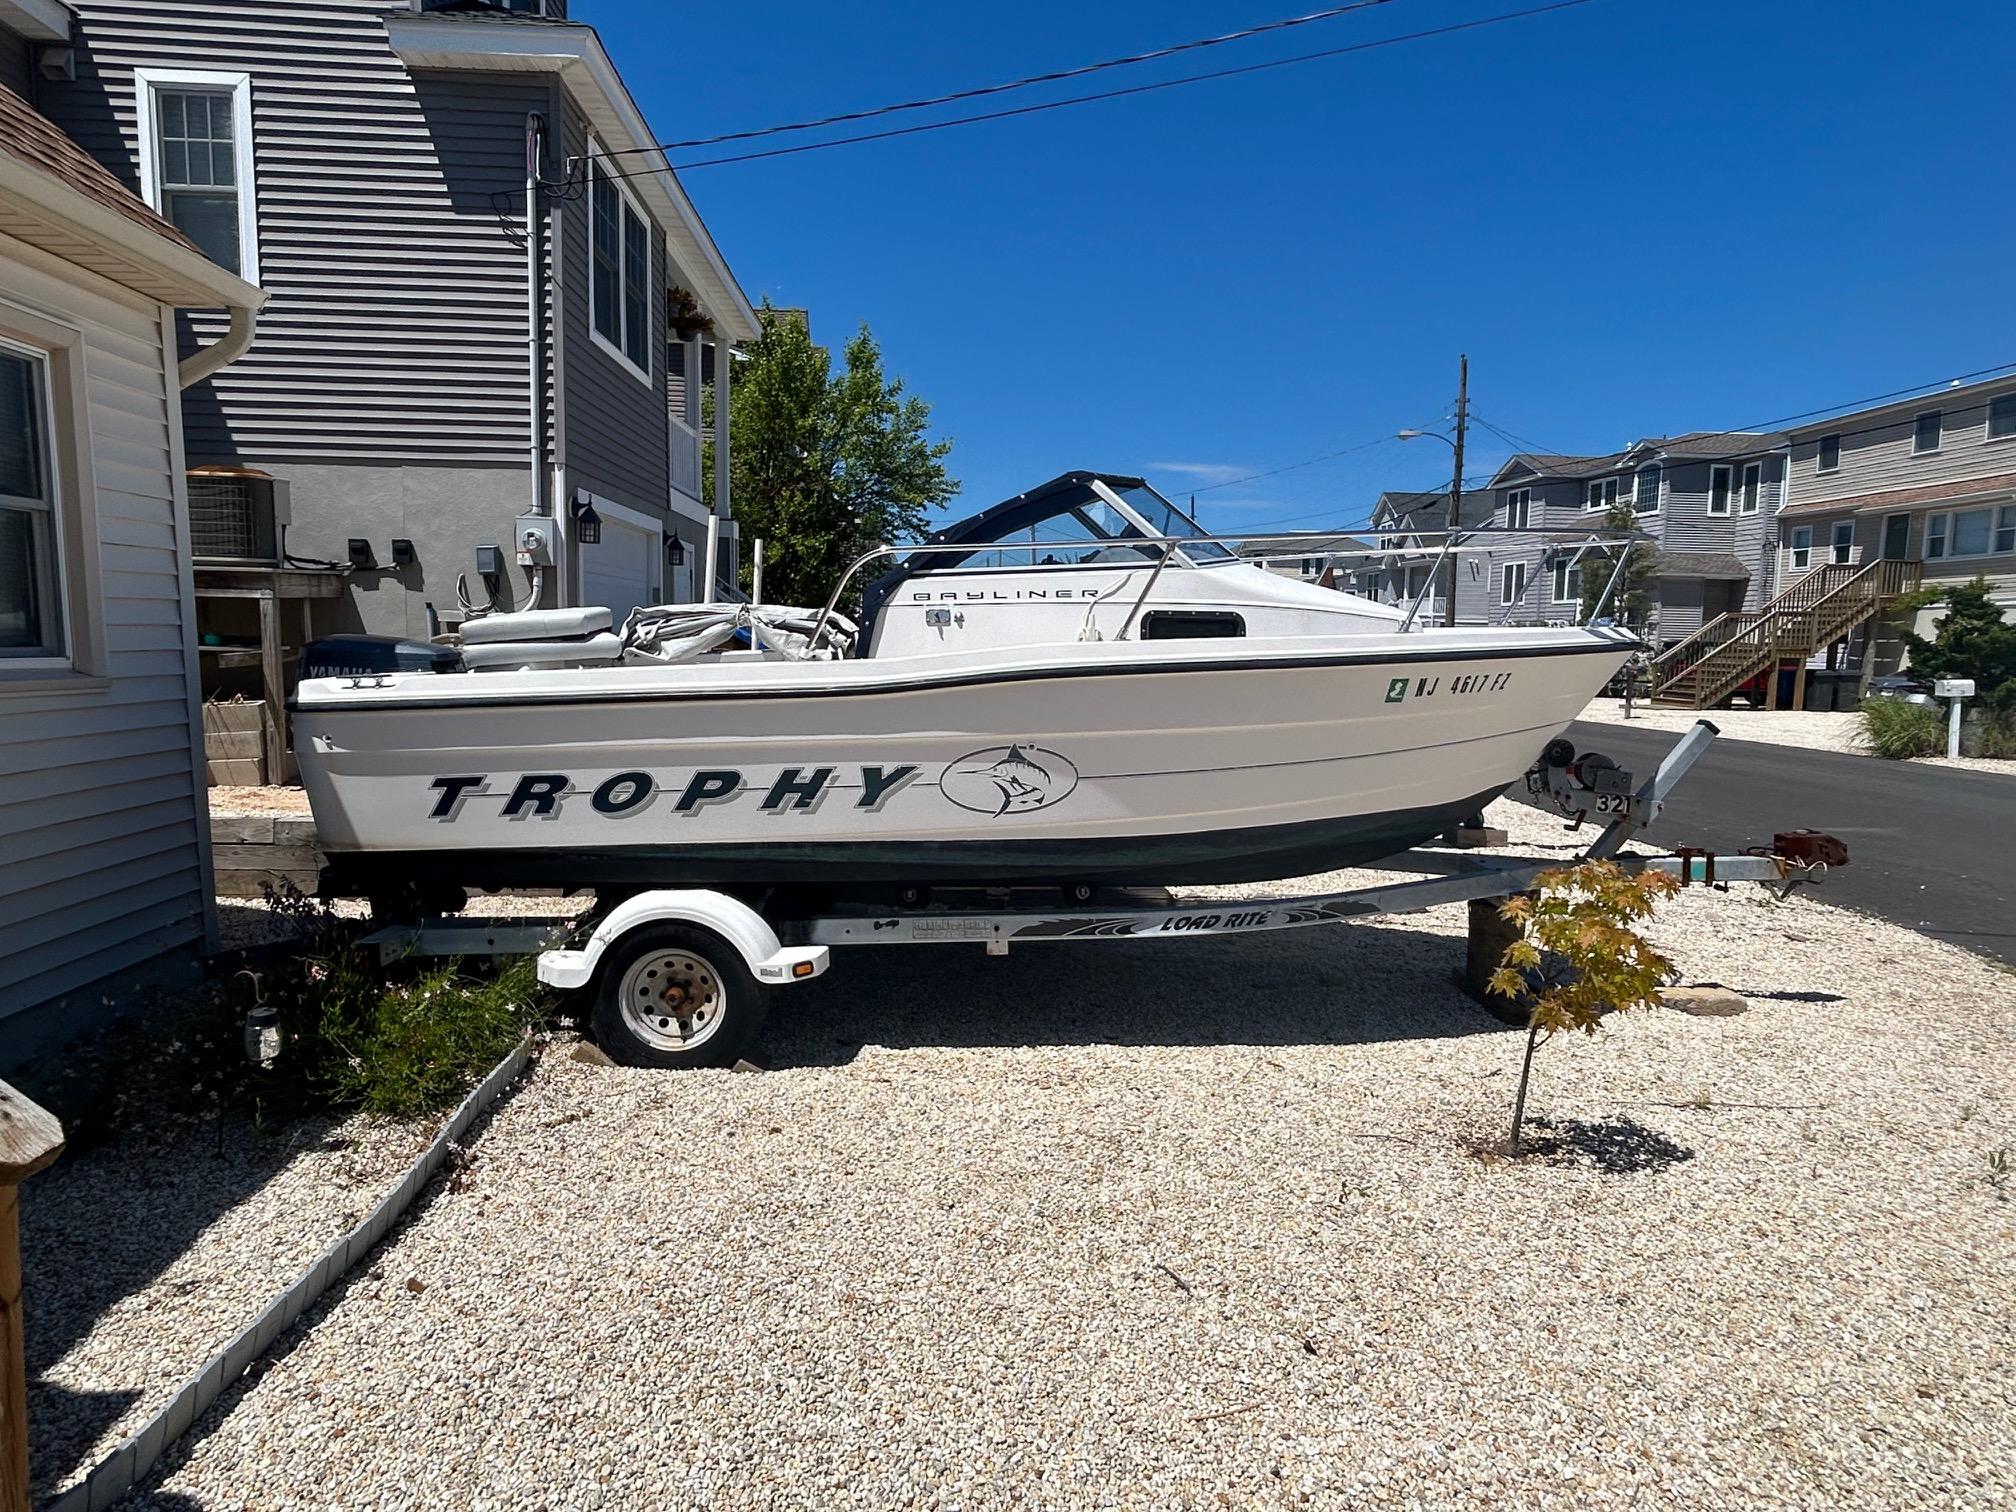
{"points": [[1030, 674]]}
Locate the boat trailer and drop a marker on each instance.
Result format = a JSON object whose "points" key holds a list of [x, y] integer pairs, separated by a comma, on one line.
{"points": [[678, 964]]}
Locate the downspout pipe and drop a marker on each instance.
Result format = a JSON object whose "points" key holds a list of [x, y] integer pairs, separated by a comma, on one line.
{"points": [[199, 365]]}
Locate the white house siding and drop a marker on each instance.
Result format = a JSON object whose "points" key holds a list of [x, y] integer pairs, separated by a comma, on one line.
{"points": [[101, 813]]}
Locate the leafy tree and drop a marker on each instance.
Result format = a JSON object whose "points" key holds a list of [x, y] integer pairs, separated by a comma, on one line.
{"points": [[1636, 596], [824, 464], [1579, 955], [1973, 640]]}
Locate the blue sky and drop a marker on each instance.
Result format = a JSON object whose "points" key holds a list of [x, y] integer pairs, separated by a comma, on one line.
{"points": [[1638, 217]]}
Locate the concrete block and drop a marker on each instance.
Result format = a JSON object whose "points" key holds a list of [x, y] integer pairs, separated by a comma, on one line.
{"points": [[1486, 838]]}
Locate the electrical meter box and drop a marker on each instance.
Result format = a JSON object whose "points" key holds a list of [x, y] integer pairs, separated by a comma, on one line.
{"points": [[535, 540]]}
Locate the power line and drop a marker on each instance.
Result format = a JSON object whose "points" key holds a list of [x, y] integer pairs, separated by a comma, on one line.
{"points": [[1114, 94], [1275, 472], [1056, 77]]}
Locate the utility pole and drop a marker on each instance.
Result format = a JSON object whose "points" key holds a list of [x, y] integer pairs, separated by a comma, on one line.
{"points": [[1456, 484]]}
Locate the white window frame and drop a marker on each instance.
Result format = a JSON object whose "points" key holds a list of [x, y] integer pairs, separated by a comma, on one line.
{"points": [[1567, 588], [1988, 420], [146, 83], [1638, 505], [1725, 474], [1802, 550], [598, 162], [1511, 582], [1918, 421], [1820, 452], [1840, 547], [1939, 531], [1518, 508], [1751, 490], [1601, 494], [63, 657]]}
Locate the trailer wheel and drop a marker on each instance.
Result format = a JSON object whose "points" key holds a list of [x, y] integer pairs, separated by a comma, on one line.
{"points": [[674, 996]]}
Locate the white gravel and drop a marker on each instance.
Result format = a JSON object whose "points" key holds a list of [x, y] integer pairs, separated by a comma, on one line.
{"points": [[143, 1257], [1808, 729], [1195, 1225]]}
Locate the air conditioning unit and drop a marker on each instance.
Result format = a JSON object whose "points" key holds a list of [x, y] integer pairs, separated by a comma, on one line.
{"points": [[236, 515]]}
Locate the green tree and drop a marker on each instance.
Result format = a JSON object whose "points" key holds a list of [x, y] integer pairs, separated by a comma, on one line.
{"points": [[1972, 640], [1636, 596], [824, 463], [1579, 955]]}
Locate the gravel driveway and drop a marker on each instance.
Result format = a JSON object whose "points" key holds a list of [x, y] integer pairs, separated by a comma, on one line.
{"points": [[1197, 1224]]}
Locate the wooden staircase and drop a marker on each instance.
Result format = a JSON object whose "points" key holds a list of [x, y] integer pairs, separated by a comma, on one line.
{"points": [[1819, 609]]}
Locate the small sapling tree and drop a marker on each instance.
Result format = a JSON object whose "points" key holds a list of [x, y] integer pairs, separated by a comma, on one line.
{"points": [[1579, 955]]}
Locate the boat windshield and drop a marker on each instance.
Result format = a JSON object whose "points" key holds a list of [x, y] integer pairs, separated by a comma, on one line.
{"points": [[1084, 529], [1165, 519]]}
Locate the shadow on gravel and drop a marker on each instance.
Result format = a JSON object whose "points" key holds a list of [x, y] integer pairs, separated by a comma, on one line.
{"points": [[1351, 985], [1616, 1146]]}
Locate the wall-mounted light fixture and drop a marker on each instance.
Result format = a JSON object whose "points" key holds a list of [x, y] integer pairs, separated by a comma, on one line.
{"points": [[675, 552], [587, 523], [362, 559], [403, 554]]}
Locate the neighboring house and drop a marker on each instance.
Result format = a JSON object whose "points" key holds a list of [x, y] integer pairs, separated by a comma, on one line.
{"points": [[1708, 498], [1407, 524], [424, 381], [1930, 480], [104, 840], [1334, 561]]}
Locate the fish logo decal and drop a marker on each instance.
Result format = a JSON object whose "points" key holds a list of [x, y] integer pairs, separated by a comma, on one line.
{"points": [[1012, 779]]}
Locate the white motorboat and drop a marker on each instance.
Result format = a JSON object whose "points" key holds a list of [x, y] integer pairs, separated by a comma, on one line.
{"points": [[1074, 687]]}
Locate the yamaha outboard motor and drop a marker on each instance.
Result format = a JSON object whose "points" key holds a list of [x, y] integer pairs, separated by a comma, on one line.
{"points": [[368, 655]]}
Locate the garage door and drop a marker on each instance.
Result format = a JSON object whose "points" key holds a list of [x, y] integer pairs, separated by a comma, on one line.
{"points": [[619, 570]]}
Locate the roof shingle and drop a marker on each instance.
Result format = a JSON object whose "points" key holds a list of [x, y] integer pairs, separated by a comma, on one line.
{"points": [[27, 134]]}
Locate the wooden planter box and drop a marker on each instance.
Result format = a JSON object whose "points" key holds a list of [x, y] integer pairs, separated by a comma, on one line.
{"points": [[234, 744], [251, 852]]}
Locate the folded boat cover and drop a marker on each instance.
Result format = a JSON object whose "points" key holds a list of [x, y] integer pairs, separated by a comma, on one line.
{"points": [[535, 625]]}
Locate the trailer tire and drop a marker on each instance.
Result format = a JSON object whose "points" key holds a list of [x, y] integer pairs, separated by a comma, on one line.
{"points": [[675, 996]]}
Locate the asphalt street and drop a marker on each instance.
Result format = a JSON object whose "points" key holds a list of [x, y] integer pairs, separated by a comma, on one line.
{"points": [[1931, 848]]}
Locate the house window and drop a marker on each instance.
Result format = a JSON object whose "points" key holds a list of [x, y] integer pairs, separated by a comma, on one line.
{"points": [[619, 270], [1971, 532], [1925, 431], [1519, 508], [31, 604], [1718, 489], [1567, 581], [1753, 486], [196, 163], [1602, 494], [1843, 544], [1802, 548], [2001, 417], [1830, 454], [1645, 490], [1512, 583]]}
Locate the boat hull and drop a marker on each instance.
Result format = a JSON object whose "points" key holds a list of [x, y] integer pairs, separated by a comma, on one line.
{"points": [[1157, 766]]}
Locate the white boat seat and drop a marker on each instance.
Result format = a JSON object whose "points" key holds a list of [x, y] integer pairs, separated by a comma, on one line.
{"points": [[605, 647], [534, 625]]}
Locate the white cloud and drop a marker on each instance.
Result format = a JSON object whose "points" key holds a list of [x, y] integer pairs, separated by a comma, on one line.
{"points": [[1203, 472]]}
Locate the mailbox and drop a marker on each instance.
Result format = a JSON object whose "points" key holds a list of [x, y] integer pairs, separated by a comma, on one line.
{"points": [[1953, 687]]}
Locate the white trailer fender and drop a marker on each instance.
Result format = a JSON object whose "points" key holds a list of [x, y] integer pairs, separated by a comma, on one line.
{"points": [[733, 920]]}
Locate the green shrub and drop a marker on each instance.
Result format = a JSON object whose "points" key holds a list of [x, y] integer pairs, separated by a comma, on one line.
{"points": [[401, 1041], [1898, 730], [1996, 736]]}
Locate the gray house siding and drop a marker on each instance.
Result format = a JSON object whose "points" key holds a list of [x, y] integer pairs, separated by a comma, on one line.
{"points": [[1876, 447], [101, 844], [400, 339], [17, 66], [615, 441]]}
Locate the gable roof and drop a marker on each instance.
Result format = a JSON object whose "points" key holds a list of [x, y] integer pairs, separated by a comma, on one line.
{"points": [[56, 196], [1414, 509], [1712, 445], [1555, 465]]}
